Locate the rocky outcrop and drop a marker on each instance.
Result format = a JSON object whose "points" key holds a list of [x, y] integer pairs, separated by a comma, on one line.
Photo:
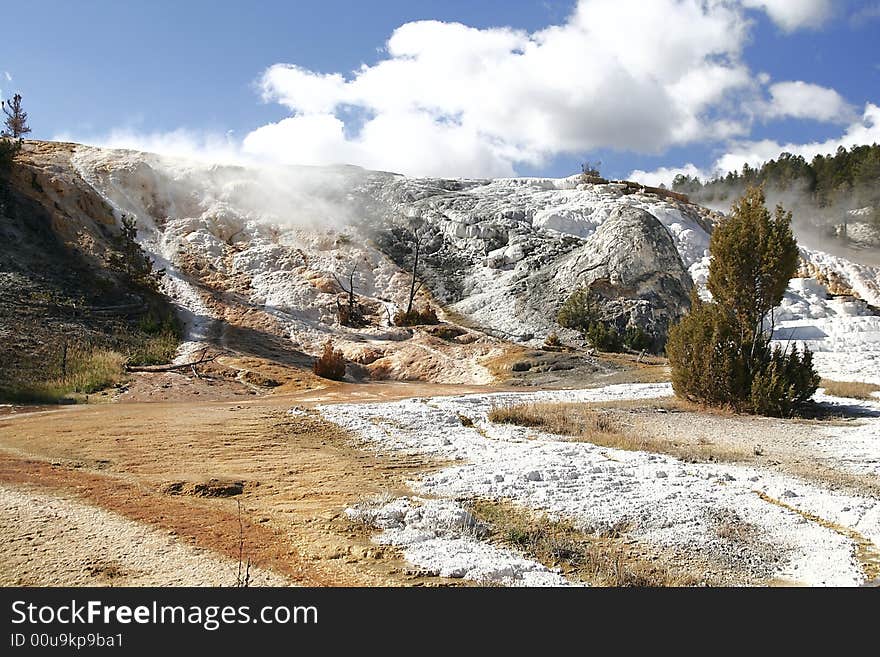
{"points": [[505, 254], [263, 250], [633, 268]]}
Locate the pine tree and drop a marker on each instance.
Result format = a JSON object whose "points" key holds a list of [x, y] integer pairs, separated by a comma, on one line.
{"points": [[754, 255], [16, 118], [720, 352]]}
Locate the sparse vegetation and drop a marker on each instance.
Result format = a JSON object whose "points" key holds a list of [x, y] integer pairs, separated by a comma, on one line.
{"points": [[16, 119], [418, 236], [720, 351], [131, 260], [552, 341], [562, 419], [604, 337], [351, 313], [852, 389], [591, 172], [636, 339], [8, 149], [330, 364], [601, 558], [581, 313], [465, 421], [72, 359], [414, 317], [156, 349], [599, 424], [81, 369]]}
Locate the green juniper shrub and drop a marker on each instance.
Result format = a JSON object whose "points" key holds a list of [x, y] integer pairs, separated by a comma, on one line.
{"points": [[579, 311], [720, 351], [636, 339], [604, 337], [784, 383]]}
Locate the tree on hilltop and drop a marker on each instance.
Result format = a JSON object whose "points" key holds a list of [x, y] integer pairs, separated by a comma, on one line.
{"points": [[16, 118]]}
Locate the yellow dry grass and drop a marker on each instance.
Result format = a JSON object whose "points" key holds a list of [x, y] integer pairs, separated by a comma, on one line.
{"points": [[852, 389], [599, 425], [603, 558]]}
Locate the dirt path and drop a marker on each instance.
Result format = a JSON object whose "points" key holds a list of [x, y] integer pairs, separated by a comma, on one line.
{"points": [[297, 475], [50, 540]]}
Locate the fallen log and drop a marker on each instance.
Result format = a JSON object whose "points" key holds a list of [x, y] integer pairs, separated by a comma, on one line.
{"points": [[169, 367]]}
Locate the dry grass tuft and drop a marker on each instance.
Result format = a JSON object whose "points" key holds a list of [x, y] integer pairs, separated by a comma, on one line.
{"points": [[574, 420], [600, 425], [852, 389], [601, 558], [155, 350], [86, 370], [330, 364]]}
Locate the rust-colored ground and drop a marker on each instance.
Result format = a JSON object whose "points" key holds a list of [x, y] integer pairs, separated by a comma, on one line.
{"points": [[299, 473]]}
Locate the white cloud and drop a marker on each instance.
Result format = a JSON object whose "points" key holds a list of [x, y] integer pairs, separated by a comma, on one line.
{"points": [[180, 143], [8, 76], [794, 14], [297, 87], [865, 130], [803, 100], [665, 175], [449, 99]]}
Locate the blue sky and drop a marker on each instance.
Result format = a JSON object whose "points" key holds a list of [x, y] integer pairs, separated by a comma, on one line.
{"points": [[485, 88]]}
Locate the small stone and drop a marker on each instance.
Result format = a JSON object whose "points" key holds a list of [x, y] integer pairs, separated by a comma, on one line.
{"points": [[661, 474]]}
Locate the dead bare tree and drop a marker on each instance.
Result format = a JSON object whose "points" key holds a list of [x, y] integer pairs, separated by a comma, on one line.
{"points": [[419, 239], [350, 314], [243, 578]]}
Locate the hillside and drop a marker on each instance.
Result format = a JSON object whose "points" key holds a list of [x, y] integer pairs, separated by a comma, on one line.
{"points": [[430, 463], [256, 262], [64, 292]]}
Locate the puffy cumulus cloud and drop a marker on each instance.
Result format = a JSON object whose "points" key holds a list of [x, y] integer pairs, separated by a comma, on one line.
{"points": [[449, 99], [665, 175], [794, 14], [865, 130], [180, 143], [446, 99], [803, 100], [299, 88], [399, 142]]}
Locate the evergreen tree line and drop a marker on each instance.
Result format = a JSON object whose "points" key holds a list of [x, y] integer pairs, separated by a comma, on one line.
{"points": [[848, 179]]}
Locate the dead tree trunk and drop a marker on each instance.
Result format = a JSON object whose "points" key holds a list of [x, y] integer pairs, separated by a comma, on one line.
{"points": [[352, 316], [413, 288], [171, 367]]}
